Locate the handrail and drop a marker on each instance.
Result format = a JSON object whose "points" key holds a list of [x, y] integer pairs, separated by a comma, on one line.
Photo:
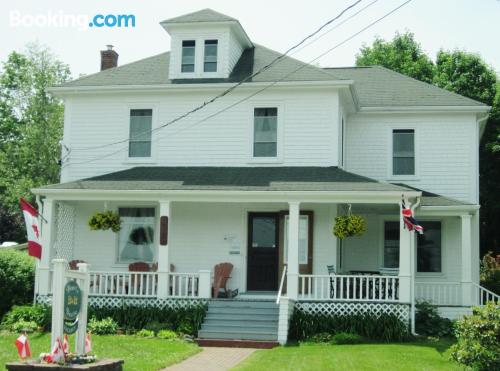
{"points": [[489, 294], [283, 275]]}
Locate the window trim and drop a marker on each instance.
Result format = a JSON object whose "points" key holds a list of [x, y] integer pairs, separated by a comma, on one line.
{"points": [[154, 125], [186, 73], [391, 175], [279, 133], [217, 64]]}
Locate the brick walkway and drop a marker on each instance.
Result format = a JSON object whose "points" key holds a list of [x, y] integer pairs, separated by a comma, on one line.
{"points": [[213, 359]]}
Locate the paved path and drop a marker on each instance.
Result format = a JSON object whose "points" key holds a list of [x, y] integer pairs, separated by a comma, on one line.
{"points": [[213, 359]]}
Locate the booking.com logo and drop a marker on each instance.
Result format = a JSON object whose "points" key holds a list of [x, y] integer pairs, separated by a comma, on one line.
{"points": [[64, 20]]}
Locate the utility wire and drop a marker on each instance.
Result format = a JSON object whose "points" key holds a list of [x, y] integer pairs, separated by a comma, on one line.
{"points": [[268, 86]]}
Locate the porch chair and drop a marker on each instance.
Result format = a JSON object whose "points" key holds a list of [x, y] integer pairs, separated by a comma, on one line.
{"points": [[73, 264], [137, 267], [222, 273], [331, 273]]}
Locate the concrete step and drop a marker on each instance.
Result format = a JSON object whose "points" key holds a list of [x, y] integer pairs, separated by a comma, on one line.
{"points": [[237, 335], [240, 317], [229, 343], [225, 303], [254, 322], [251, 311], [240, 327]]}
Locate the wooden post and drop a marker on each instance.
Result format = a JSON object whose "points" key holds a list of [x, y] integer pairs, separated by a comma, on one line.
{"points": [[48, 224], [163, 256], [82, 318], [292, 282], [58, 282]]}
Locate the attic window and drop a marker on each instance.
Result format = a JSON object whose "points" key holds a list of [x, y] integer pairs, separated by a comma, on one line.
{"points": [[188, 47], [210, 62]]}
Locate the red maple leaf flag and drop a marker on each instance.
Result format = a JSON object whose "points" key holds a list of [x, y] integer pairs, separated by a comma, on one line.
{"points": [[33, 229], [57, 353], [23, 347], [88, 344]]}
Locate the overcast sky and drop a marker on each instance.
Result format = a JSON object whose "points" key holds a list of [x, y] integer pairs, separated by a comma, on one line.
{"points": [[473, 25]]}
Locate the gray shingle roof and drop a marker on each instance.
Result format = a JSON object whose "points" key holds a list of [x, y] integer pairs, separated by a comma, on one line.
{"points": [[231, 178], [433, 199], [204, 15], [378, 86]]}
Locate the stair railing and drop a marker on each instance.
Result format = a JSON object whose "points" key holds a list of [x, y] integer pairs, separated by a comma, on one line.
{"points": [[283, 275], [486, 295]]}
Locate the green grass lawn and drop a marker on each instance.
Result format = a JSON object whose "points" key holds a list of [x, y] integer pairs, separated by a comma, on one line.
{"points": [[138, 353], [403, 356]]}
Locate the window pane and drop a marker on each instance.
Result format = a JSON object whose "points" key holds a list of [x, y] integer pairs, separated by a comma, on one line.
{"points": [[188, 56], [303, 239], [429, 248], [139, 149], [210, 67], [264, 232], [187, 68], [265, 129], [265, 132], [140, 132], [264, 150], [403, 166], [136, 237], [391, 245]]}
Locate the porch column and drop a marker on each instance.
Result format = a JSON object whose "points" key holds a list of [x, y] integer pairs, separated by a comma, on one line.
{"points": [[47, 225], [163, 258], [467, 259], [405, 241], [292, 282]]}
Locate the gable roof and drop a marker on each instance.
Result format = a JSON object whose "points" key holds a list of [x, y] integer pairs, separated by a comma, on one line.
{"points": [[204, 15], [377, 86], [231, 178]]}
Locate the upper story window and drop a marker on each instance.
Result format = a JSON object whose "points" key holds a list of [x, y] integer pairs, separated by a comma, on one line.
{"points": [[265, 137], [141, 121], [188, 52], [210, 61], [403, 152]]}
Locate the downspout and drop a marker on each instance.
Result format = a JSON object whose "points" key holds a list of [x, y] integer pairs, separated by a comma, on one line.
{"points": [[412, 275]]}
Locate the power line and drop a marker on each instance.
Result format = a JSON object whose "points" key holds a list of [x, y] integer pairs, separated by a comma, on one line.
{"points": [[271, 84], [235, 86]]}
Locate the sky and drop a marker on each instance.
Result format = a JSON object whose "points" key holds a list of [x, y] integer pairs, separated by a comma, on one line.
{"points": [[472, 25]]}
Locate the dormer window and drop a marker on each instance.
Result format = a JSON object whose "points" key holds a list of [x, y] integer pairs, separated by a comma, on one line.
{"points": [[210, 61], [188, 48]]}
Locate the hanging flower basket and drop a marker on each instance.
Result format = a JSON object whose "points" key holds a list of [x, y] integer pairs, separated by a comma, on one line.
{"points": [[104, 221], [349, 226]]}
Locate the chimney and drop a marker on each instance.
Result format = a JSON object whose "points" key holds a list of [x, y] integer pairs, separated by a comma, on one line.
{"points": [[109, 58]]}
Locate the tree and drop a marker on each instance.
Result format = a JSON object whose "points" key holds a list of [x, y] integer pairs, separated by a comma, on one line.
{"points": [[31, 124], [403, 54]]}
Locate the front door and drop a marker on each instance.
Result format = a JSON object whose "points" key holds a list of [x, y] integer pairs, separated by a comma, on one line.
{"points": [[263, 251]]}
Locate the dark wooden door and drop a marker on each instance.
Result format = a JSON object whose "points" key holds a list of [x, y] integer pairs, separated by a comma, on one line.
{"points": [[263, 251]]}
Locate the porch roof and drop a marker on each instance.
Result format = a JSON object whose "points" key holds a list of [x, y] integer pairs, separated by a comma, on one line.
{"points": [[434, 199], [231, 178]]}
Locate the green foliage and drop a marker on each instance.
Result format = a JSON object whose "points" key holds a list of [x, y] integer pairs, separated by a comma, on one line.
{"points": [[40, 315], [145, 333], [384, 327], [17, 277], [157, 326], [134, 318], [167, 335], [429, 323], [490, 272], [106, 220], [478, 335], [31, 122], [402, 54], [103, 326], [338, 338], [22, 326], [349, 226]]}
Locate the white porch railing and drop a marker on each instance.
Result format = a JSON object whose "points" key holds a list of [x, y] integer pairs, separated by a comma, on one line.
{"points": [[485, 295], [143, 284], [439, 293], [184, 285], [349, 288]]}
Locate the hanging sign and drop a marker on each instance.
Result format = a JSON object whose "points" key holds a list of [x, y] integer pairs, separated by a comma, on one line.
{"points": [[72, 306]]}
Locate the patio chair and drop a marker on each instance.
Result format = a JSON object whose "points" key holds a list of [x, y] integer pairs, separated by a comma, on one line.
{"points": [[222, 273], [73, 264]]}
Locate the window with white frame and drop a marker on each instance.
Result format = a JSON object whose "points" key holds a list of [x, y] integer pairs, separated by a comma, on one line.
{"points": [[265, 135], [403, 152], [188, 55], [303, 239], [391, 245], [429, 248], [141, 123], [136, 236], [210, 58]]}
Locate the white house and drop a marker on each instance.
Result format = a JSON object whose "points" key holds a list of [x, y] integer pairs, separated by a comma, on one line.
{"points": [[256, 178]]}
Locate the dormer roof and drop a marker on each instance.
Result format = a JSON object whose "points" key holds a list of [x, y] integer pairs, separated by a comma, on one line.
{"points": [[204, 15]]}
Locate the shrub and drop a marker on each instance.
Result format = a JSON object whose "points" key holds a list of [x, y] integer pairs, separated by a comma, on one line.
{"points": [[346, 338], [322, 337], [38, 314], [17, 277], [104, 326], [167, 335], [478, 335], [157, 326], [22, 325], [145, 333], [384, 327], [490, 272], [429, 323]]}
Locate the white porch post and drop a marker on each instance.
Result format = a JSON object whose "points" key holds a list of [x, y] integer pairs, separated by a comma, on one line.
{"points": [[163, 258], [467, 259], [58, 283], [292, 283], [48, 225], [405, 237]]}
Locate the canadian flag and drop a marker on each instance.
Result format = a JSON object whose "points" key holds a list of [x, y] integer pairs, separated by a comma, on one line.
{"points": [[57, 353], [33, 229], [66, 344], [23, 347], [88, 344]]}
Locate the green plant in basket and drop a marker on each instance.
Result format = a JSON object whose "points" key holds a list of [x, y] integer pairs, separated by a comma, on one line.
{"points": [[349, 226], [105, 220]]}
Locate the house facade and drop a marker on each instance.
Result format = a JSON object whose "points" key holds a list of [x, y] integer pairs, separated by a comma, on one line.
{"points": [[256, 178]]}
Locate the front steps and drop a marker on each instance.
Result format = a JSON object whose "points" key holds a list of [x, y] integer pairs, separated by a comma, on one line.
{"points": [[240, 323]]}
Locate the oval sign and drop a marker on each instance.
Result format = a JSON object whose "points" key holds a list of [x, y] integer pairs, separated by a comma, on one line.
{"points": [[72, 301]]}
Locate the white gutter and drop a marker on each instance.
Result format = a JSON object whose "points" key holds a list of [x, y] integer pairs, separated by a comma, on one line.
{"points": [[417, 109], [412, 270]]}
